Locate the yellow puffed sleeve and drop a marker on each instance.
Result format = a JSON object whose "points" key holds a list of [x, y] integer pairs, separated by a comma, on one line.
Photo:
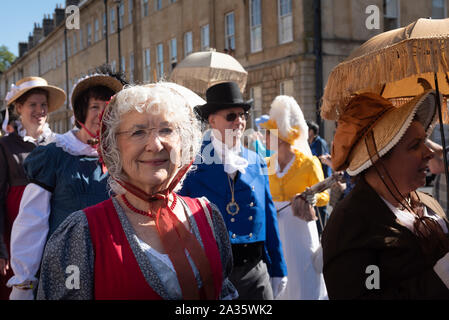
{"points": [[316, 176], [304, 172]]}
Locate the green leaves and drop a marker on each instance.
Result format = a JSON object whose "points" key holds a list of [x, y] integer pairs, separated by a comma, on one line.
{"points": [[6, 58]]}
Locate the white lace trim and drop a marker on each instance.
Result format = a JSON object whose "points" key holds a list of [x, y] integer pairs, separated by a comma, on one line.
{"points": [[72, 145], [46, 137], [280, 173]]}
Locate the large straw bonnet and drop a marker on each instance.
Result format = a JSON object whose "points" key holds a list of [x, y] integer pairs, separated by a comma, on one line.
{"points": [[56, 96], [370, 112], [94, 80]]}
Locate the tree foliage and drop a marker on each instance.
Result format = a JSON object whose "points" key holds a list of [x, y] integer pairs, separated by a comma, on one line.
{"points": [[6, 58]]}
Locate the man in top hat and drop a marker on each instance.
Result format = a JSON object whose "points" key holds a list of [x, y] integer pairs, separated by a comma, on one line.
{"points": [[235, 180]]}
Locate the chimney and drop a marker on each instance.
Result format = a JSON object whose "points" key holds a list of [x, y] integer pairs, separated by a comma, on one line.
{"points": [[23, 48], [30, 41], [48, 25], [71, 2], [58, 16], [38, 33]]}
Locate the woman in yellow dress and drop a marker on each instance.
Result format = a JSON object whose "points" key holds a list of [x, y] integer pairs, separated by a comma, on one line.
{"points": [[294, 170]]}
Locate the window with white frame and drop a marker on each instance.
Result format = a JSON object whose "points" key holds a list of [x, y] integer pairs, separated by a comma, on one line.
{"points": [[438, 9], [285, 22], [74, 44], [121, 11], [131, 67], [286, 88], [188, 43], [89, 34], [112, 21], [391, 14], [97, 30], [229, 31], [54, 59], [146, 65], [255, 18], [81, 39], [205, 37], [160, 61], [173, 51], [256, 94], [69, 51], [158, 4], [123, 64], [105, 30], [145, 8], [130, 11], [58, 56]]}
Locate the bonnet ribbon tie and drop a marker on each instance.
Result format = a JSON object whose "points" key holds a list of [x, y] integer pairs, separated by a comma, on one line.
{"points": [[177, 239]]}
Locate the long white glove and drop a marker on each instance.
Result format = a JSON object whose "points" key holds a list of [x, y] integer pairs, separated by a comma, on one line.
{"points": [[21, 294], [278, 285]]}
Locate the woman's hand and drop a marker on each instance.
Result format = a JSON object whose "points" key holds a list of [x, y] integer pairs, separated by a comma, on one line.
{"points": [[326, 159], [4, 266], [302, 209]]}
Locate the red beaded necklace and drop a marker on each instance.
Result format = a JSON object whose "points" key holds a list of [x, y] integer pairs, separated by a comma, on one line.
{"points": [[147, 213]]}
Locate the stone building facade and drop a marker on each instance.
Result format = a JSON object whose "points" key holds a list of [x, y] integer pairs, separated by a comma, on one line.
{"points": [[283, 44]]}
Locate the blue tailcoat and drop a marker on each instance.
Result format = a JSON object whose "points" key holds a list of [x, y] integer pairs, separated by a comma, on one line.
{"points": [[256, 220]]}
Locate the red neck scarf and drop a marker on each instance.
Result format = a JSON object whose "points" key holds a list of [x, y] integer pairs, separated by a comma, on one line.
{"points": [[92, 142], [176, 239]]}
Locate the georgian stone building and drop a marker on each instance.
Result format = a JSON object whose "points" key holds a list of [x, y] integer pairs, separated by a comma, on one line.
{"points": [[287, 46]]}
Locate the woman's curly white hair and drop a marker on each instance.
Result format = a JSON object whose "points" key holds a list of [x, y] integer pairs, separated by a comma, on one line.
{"points": [[174, 101]]}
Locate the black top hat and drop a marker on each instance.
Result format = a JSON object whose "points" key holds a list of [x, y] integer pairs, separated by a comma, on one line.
{"points": [[222, 96]]}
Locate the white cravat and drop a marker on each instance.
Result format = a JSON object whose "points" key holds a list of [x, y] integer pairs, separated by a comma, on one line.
{"points": [[230, 157]]}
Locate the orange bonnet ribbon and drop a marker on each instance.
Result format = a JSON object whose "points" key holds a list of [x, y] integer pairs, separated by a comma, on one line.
{"points": [[177, 239]]}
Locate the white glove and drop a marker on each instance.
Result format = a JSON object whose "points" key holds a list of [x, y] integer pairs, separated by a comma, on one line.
{"points": [[311, 199], [21, 294], [278, 285]]}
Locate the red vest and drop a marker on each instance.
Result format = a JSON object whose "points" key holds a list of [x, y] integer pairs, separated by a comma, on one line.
{"points": [[116, 271]]}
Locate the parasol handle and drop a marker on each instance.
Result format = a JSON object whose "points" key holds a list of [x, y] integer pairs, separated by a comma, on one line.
{"points": [[318, 187], [443, 139]]}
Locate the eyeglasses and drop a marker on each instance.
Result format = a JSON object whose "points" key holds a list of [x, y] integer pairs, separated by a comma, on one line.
{"points": [[164, 133], [230, 117]]}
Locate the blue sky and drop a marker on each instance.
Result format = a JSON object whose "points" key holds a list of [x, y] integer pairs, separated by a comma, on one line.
{"points": [[17, 18]]}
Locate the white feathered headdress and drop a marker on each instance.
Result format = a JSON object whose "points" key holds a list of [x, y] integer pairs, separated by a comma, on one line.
{"points": [[287, 117]]}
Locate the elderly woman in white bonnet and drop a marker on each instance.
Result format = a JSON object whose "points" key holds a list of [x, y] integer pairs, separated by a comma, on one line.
{"points": [[145, 242], [295, 170]]}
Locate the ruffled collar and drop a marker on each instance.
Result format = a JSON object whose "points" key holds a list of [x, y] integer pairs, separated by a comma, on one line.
{"points": [[289, 170], [47, 136], [230, 157], [282, 173], [72, 145]]}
